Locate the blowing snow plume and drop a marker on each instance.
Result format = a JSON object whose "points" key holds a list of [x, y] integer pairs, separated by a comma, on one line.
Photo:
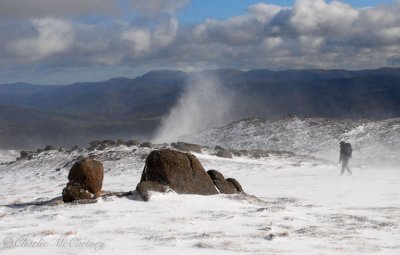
{"points": [[204, 104]]}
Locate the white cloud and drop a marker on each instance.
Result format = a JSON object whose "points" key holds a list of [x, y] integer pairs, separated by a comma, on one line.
{"points": [[165, 34], [143, 42], [139, 41], [311, 33], [317, 16], [264, 12], [52, 36]]}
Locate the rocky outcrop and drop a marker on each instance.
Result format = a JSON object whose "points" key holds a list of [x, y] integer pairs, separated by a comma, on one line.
{"points": [[182, 172]]}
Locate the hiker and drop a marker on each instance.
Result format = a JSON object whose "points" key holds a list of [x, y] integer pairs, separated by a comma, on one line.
{"points": [[345, 155]]}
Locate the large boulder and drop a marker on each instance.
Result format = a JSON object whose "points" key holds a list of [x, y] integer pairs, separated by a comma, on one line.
{"points": [[182, 172], [89, 173]]}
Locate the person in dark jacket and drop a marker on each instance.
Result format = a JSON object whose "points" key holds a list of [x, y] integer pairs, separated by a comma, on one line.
{"points": [[345, 154]]}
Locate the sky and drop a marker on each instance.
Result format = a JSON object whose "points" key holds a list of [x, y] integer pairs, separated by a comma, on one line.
{"points": [[62, 42]]}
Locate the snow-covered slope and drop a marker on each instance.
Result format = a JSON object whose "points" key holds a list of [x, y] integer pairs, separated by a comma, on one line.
{"points": [[373, 141], [300, 206], [8, 155]]}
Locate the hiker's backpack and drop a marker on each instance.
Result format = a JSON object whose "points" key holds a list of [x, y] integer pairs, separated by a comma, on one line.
{"points": [[348, 150]]}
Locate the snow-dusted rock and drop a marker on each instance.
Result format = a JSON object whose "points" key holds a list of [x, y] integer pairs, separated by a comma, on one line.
{"points": [[74, 191], [182, 172], [144, 189], [89, 173], [222, 185]]}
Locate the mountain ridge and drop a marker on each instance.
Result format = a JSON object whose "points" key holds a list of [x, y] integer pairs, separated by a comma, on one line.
{"points": [[371, 93]]}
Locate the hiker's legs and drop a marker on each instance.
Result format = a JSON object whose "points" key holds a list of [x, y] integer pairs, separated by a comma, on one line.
{"points": [[343, 167], [348, 168]]}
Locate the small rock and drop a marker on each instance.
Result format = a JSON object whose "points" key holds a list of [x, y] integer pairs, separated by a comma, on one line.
{"points": [[131, 143], [109, 142], [74, 191], [236, 184], [94, 143], [49, 148], [144, 188], [223, 185], [223, 154], [120, 142], [219, 148], [187, 147], [147, 145], [269, 237], [24, 154]]}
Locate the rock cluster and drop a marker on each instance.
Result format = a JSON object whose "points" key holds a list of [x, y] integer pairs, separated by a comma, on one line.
{"points": [[225, 186], [165, 170], [183, 173]]}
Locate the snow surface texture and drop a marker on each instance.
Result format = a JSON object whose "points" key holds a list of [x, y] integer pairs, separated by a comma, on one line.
{"points": [[302, 206], [374, 142], [7, 156]]}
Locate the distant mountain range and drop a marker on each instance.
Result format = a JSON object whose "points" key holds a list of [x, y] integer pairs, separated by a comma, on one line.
{"points": [[35, 115]]}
